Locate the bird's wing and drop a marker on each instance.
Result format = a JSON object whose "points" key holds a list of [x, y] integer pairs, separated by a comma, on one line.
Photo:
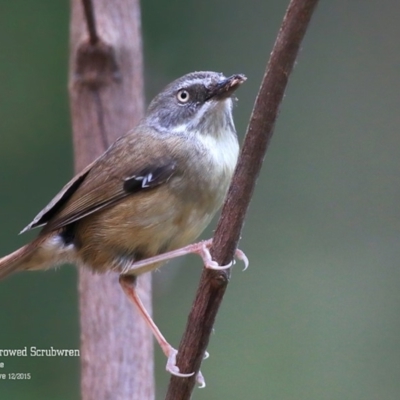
{"points": [[59, 200], [125, 169]]}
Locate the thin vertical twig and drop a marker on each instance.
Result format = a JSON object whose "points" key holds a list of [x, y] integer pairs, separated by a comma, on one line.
{"points": [[90, 21]]}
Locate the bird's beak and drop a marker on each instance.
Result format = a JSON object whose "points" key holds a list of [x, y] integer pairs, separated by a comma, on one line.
{"points": [[224, 89]]}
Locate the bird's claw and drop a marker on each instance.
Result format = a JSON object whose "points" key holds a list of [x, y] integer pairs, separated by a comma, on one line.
{"points": [[216, 267], [172, 368], [242, 257], [200, 380], [209, 263]]}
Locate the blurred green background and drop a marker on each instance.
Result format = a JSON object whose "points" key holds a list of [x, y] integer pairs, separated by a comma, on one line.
{"points": [[317, 314]]}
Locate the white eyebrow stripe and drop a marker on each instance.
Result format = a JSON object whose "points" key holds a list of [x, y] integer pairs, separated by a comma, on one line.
{"points": [[188, 83]]}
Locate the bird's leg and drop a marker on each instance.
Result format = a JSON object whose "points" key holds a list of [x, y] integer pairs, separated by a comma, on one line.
{"points": [[200, 248], [128, 284]]}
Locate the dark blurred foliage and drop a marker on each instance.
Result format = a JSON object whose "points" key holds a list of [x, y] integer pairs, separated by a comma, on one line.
{"points": [[317, 314]]}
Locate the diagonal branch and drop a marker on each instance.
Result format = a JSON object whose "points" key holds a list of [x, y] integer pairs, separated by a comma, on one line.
{"points": [[213, 284]]}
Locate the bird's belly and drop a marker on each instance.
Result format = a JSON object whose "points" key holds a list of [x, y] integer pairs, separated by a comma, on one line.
{"points": [[139, 228]]}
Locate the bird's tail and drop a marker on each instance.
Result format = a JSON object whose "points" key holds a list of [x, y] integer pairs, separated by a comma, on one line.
{"points": [[27, 257]]}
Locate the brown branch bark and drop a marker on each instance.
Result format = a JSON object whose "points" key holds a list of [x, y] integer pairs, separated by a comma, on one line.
{"points": [[259, 132], [90, 21], [106, 95]]}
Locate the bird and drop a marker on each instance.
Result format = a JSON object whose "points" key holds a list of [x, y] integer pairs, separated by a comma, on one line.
{"points": [[148, 196]]}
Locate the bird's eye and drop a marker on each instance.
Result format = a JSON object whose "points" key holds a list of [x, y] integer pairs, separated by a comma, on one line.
{"points": [[183, 96]]}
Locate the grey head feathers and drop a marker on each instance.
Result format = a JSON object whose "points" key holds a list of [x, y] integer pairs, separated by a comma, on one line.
{"points": [[198, 102]]}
